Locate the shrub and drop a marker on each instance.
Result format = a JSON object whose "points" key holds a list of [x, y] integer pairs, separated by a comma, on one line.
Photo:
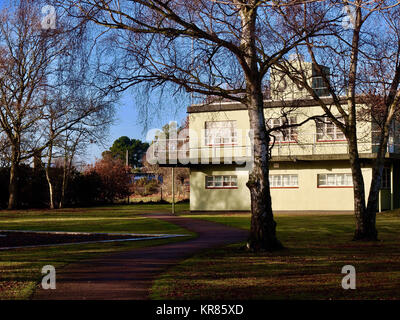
{"points": [[113, 176]]}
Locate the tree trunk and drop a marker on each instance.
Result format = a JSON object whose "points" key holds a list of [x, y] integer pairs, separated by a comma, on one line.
{"points": [[13, 185], [358, 189], [51, 193], [64, 183], [365, 229], [263, 227], [48, 178], [373, 198], [63, 188], [371, 232]]}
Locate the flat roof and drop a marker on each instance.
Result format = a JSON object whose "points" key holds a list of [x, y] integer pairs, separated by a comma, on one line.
{"points": [[235, 105]]}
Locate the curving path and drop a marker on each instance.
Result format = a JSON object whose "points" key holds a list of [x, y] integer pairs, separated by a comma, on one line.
{"points": [[129, 275]]}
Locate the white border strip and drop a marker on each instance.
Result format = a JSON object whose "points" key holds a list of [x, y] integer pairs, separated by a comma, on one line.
{"points": [[88, 233], [143, 237]]}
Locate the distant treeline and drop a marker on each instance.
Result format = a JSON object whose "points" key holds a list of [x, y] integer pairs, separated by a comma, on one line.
{"points": [[83, 189]]}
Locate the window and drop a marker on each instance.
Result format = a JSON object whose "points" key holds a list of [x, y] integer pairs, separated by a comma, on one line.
{"points": [[220, 132], [335, 180], [319, 87], [286, 134], [221, 182], [318, 83], [385, 183], [283, 181], [328, 131]]}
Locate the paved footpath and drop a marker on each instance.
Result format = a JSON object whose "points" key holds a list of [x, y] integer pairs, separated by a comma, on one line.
{"points": [[130, 274]]}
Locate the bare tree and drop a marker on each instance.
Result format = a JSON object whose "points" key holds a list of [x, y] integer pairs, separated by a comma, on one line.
{"points": [[42, 93], [86, 110], [73, 141], [26, 52], [70, 131], [4, 152], [363, 56], [215, 48]]}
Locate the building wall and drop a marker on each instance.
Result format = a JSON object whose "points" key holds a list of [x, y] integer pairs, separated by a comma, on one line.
{"points": [[308, 196], [202, 199], [395, 184], [306, 144], [284, 88], [197, 133]]}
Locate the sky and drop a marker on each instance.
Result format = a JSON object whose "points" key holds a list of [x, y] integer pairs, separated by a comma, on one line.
{"points": [[129, 120]]}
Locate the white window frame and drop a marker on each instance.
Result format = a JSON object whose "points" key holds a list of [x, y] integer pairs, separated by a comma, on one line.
{"points": [[325, 125], [284, 181], [220, 133], [221, 182], [285, 135], [334, 180]]}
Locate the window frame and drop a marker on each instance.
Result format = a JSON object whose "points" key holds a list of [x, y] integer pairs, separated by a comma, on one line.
{"points": [[282, 186], [336, 185], [316, 83], [324, 123], [292, 131], [223, 181], [233, 137]]}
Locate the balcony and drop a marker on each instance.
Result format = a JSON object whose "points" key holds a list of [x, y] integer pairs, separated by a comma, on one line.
{"points": [[307, 146]]}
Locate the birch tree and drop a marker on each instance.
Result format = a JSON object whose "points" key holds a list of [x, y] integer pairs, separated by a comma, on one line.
{"points": [[26, 51], [363, 54]]}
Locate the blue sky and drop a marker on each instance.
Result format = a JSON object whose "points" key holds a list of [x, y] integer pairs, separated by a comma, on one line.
{"points": [[129, 121]]}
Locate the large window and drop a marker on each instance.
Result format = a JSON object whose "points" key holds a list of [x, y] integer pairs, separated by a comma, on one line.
{"points": [[328, 131], [221, 182], [326, 180], [283, 135], [283, 181], [220, 133]]}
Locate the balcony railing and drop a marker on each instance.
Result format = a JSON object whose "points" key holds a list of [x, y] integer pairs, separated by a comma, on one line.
{"points": [[307, 144]]}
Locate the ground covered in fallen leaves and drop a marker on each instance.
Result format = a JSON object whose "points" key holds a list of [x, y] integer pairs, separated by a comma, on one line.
{"points": [[317, 247]]}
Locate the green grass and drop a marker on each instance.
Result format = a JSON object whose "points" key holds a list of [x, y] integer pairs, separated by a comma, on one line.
{"points": [[318, 246], [103, 211], [20, 269]]}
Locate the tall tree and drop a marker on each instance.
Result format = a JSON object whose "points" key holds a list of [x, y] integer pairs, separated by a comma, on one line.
{"points": [[77, 112], [36, 68], [364, 69], [135, 148], [26, 54], [201, 46]]}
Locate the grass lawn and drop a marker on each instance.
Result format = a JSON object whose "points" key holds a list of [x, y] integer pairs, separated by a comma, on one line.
{"points": [[318, 246], [20, 269]]}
